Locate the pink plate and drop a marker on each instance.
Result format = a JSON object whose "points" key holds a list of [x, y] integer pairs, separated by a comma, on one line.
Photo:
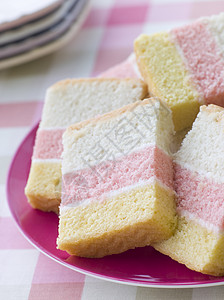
{"points": [[139, 267]]}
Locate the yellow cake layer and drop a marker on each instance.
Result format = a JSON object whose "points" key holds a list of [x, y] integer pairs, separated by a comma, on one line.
{"points": [[196, 247], [131, 219], [43, 188], [163, 70]]}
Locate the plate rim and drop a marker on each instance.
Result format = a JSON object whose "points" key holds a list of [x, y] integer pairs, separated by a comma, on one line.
{"points": [[78, 269]]}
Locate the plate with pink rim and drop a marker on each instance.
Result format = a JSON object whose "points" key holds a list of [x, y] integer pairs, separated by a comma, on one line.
{"points": [[138, 267]]}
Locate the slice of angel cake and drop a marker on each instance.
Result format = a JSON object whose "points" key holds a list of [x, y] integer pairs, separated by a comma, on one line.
{"points": [[199, 183], [185, 67], [126, 69], [117, 177], [69, 102]]}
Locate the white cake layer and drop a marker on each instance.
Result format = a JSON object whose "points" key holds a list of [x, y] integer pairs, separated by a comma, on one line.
{"points": [[132, 60], [215, 24], [203, 147], [72, 101]]}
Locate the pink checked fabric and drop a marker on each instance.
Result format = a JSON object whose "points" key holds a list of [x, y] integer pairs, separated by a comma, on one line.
{"points": [[105, 39]]}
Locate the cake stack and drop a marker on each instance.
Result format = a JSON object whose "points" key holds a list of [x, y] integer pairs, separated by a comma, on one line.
{"points": [[106, 152]]}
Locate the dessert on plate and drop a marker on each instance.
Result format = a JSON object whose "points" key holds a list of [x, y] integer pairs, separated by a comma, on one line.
{"points": [[117, 181], [198, 241], [107, 154]]}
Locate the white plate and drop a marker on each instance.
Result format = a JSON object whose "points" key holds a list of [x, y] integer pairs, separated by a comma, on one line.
{"points": [[48, 48], [45, 37], [39, 25], [16, 12]]}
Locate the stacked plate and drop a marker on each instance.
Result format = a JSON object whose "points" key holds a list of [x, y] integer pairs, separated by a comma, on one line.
{"points": [[32, 28]]}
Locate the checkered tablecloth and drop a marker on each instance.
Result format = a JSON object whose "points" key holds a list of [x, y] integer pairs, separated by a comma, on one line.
{"points": [[105, 39]]}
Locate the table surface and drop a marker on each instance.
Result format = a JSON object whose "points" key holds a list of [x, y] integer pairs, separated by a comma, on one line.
{"points": [[105, 39]]}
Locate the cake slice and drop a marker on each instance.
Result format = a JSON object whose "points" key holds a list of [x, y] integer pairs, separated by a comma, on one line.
{"points": [[185, 67], [126, 69], [68, 102], [199, 183], [117, 177]]}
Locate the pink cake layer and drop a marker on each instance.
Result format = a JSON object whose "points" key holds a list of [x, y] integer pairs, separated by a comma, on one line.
{"points": [[141, 165], [203, 59], [123, 70], [48, 144], [202, 197]]}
